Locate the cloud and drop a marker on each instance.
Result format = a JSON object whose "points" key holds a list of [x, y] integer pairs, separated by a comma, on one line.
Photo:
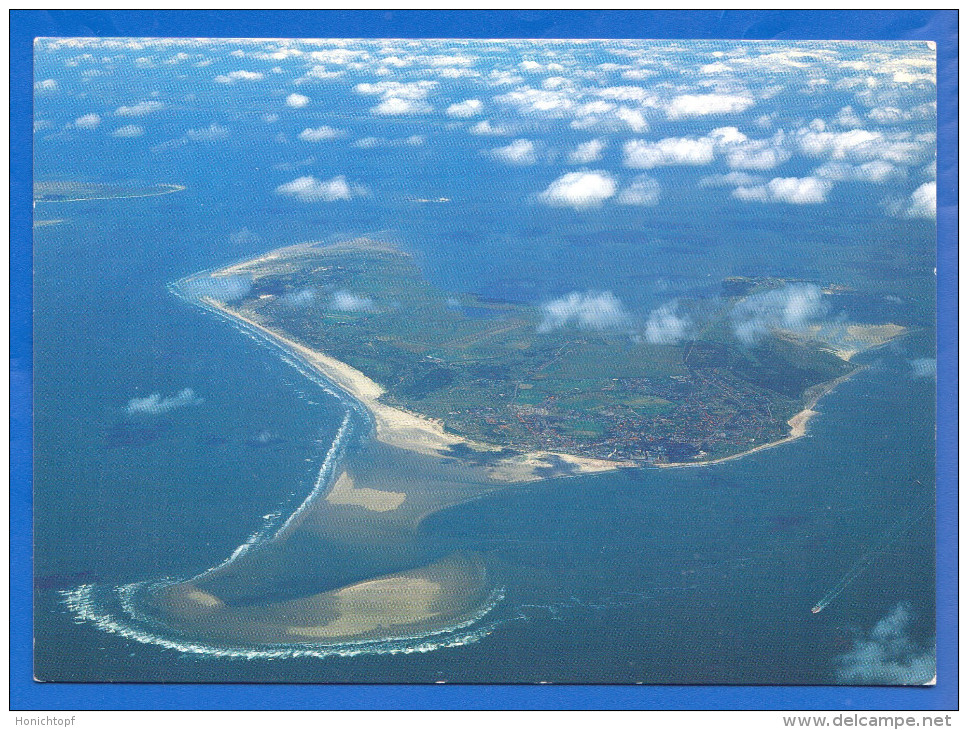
{"points": [[815, 141], [395, 106], [154, 404], [698, 105], [233, 76], [300, 298], [875, 171], [244, 236], [530, 102], [220, 288], [924, 367], [45, 85], [590, 151], [465, 109], [128, 131], [792, 307], [345, 301], [320, 133], [519, 152], [399, 98], [485, 128], [88, 121], [207, 134], [643, 190], [310, 190], [888, 654], [922, 203], [579, 190], [588, 310], [757, 154], [731, 179], [140, 109], [400, 90], [368, 143], [669, 151], [297, 101], [794, 190], [666, 326], [847, 117]]}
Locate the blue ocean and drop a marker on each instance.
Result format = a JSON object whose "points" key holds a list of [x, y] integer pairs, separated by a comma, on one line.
{"points": [[700, 575]]}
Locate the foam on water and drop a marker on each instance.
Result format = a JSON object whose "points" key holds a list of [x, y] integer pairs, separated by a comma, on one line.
{"points": [[116, 609], [92, 604]]}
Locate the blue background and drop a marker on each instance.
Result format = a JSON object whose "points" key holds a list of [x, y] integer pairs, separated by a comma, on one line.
{"points": [[939, 26]]}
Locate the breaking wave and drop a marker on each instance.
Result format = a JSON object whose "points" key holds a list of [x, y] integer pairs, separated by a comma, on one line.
{"points": [[116, 610]]}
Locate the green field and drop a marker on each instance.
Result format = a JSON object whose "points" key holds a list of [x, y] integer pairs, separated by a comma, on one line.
{"points": [[490, 370]]}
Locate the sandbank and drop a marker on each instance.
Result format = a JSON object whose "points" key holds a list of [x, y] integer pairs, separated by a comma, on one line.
{"points": [[375, 500]]}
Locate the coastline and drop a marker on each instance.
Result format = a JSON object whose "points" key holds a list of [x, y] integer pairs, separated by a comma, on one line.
{"points": [[169, 189], [424, 435], [410, 431], [797, 423]]}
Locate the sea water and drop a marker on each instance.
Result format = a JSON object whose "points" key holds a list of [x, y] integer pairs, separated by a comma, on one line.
{"points": [[683, 575]]}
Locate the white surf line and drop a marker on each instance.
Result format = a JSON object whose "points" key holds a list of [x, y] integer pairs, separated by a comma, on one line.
{"points": [[333, 456], [84, 604]]}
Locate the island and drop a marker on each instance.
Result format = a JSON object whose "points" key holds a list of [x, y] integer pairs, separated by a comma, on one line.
{"points": [[449, 397], [479, 379], [62, 191]]}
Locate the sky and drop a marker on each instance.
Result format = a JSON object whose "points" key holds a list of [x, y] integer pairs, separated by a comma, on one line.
{"points": [[590, 125]]}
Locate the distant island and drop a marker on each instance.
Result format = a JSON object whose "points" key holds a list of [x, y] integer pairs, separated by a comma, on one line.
{"points": [[71, 192], [490, 382]]}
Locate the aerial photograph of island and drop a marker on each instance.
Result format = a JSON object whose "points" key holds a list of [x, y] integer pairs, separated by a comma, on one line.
{"points": [[484, 361]]}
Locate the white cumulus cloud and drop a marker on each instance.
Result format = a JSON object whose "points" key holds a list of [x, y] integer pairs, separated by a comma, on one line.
{"points": [[297, 101], [88, 121], [346, 301], [888, 654], [234, 76], [486, 129], [396, 106], [669, 151], [922, 203], [140, 109], [579, 190], [519, 152], [794, 190], [154, 404], [585, 310], [791, 307], [697, 105], [320, 133], [308, 189], [465, 109], [590, 151], [875, 171], [643, 190], [128, 131], [210, 133], [666, 326]]}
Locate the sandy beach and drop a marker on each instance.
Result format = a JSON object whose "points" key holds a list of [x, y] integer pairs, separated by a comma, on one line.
{"points": [[411, 431]]}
